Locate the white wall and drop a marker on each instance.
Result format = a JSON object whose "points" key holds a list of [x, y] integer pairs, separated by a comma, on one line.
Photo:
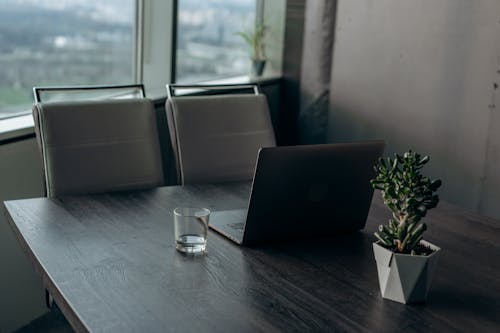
{"points": [[21, 289], [420, 74]]}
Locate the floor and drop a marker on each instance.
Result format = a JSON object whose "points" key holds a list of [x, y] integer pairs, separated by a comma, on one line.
{"points": [[51, 322]]}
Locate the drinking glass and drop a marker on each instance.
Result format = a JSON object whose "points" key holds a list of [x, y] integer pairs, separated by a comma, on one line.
{"points": [[191, 227]]}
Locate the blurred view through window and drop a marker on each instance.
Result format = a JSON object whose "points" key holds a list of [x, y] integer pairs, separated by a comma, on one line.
{"points": [[207, 45], [62, 42]]}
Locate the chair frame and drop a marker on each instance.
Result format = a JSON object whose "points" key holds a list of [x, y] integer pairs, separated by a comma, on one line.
{"points": [[37, 90], [224, 87], [49, 300]]}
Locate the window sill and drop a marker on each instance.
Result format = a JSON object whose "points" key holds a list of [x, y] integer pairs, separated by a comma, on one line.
{"points": [[159, 95], [18, 128]]}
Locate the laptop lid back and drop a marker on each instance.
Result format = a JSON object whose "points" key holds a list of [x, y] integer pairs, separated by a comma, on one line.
{"points": [[311, 191]]}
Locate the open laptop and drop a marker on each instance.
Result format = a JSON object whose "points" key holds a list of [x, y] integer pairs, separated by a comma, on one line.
{"points": [[304, 192]]}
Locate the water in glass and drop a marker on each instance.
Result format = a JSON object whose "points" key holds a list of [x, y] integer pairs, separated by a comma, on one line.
{"points": [[191, 227]]}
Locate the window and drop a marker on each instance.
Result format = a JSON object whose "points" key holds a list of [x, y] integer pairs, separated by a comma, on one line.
{"points": [[63, 42], [208, 47], [95, 42]]}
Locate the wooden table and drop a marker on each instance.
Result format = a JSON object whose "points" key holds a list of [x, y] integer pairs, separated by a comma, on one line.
{"points": [[110, 263]]}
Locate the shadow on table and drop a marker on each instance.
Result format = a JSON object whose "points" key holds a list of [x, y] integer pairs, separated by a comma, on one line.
{"points": [[451, 300]]}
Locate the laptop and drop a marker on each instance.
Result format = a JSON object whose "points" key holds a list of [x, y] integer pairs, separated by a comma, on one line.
{"points": [[304, 192]]}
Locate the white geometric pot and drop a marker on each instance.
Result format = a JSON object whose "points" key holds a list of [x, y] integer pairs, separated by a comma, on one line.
{"points": [[405, 278]]}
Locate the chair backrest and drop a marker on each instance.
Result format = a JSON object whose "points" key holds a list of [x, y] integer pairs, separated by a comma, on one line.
{"points": [[216, 138], [98, 146]]}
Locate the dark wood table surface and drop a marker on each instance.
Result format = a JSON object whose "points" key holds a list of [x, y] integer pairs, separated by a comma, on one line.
{"points": [[110, 263]]}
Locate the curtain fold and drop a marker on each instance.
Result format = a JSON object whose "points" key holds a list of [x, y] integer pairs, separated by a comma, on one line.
{"points": [[319, 31]]}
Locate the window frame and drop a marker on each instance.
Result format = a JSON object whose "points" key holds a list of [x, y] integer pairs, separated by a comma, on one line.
{"points": [[136, 54], [259, 19], [155, 47]]}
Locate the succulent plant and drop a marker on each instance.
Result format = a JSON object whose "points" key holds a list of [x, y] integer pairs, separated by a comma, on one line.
{"points": [[409, 195], [255, 39]]}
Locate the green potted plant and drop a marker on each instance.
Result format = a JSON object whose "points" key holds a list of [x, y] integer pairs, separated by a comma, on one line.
{"points": [[405, 262], [255, 39]]}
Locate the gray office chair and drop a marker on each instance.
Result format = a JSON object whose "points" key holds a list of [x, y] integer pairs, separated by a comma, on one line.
{"points": [[216, 138], [96, 146]]}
